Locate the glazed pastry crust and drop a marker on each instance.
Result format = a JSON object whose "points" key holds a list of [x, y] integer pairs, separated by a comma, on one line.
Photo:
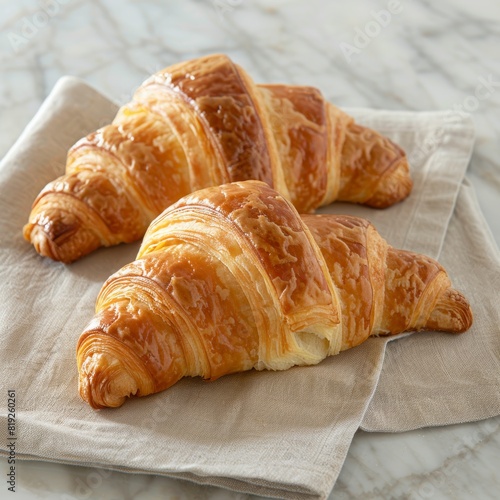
{"points": [[203, 123], [232, 278]]}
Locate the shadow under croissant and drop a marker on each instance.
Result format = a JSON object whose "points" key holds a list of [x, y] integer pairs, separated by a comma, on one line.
{"points": [[232, 278]]}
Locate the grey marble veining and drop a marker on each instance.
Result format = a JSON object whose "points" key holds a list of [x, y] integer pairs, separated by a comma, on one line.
{"points": [[401, 55]]}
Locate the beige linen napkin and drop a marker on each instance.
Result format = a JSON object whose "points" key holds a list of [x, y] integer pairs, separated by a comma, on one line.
{"points": [[283, 434], [428, 380]]}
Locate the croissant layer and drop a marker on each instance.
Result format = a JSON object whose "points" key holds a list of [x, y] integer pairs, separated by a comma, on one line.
{"points": [[204, 123], [232, 278]]}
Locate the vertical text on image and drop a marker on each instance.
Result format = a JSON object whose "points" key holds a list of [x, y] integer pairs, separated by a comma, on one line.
{"points": [[11, 440]]}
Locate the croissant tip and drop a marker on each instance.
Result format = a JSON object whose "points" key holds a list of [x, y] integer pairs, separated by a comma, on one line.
{"points": [[394, 187], [104, 383], [462, 306], [60, 242], [40, 239], [452, 313]]}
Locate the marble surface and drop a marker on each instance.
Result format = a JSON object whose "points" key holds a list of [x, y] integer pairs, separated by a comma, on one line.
{"points": [[400, 55]]}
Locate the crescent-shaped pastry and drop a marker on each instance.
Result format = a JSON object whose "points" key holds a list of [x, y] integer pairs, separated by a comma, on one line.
{"points": [[232, 278], [203, 123]]}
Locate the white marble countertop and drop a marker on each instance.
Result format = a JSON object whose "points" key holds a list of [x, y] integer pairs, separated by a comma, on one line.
{"points": [[415, 55]]}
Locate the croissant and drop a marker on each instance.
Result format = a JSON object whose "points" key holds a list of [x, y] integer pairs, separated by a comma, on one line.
{"points": [[203, 123], [232, 278]]}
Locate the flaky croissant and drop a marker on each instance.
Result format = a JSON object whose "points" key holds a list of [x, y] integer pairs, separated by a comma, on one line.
{"points": [[203, 123], [232, 278]]}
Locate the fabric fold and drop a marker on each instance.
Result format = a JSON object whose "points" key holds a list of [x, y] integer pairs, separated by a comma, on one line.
{"points": [[458, 381], [282, 434]]}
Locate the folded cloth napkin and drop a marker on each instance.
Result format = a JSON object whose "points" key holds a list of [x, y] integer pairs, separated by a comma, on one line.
{"points": [[281, 434], [428, 381]]}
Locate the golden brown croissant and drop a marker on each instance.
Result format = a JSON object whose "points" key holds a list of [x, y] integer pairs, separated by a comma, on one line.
{"points": [[232, 278], [203, 123]]}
